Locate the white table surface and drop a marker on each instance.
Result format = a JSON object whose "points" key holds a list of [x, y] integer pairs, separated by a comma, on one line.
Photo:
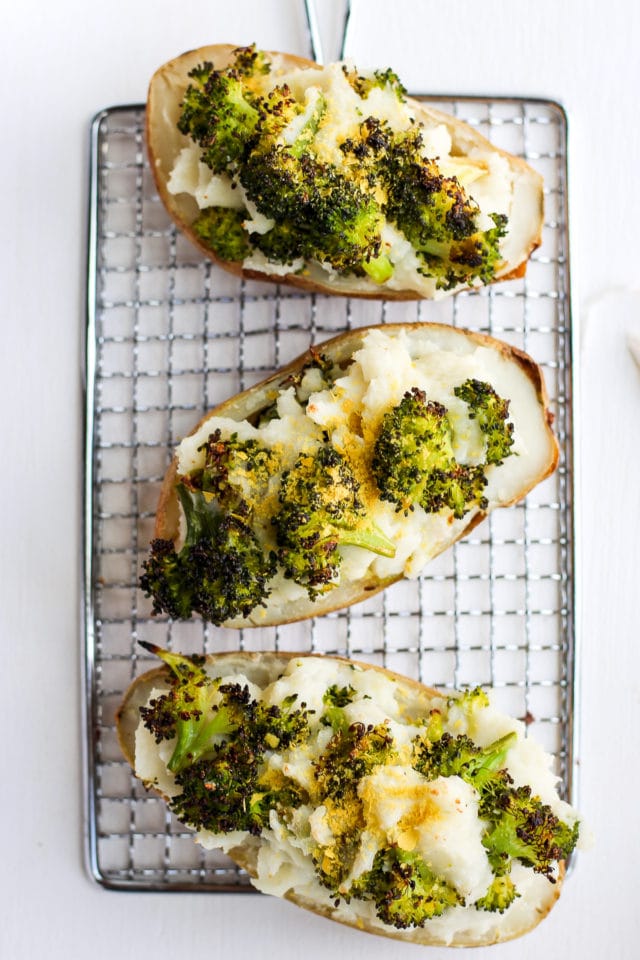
{"points": [[61, 63]]}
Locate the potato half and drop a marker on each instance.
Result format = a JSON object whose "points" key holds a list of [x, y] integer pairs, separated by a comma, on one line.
{"points": [[404, 701], [396, 350], [515, 186]]}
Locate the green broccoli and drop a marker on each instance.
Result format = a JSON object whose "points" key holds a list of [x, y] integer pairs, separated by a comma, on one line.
{"points": [[491, 412], [222, 736], [230, 789], [413, 460], [353, 752], [306, 131], [250, 62], [320, 510], [190, 711], [459, 756], [436, 215], [405, 890], [221, 229], [499, 896], [522, 827], [380, 78], [220, 572], [319, 213], [335, 696], [470, 700], [236, 472], [218, 114]]}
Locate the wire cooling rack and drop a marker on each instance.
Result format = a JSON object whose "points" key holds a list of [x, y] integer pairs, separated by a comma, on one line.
{"points": [[168, 336]]}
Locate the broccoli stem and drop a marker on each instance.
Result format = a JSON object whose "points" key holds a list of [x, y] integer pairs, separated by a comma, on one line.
{"points": [[201, 515], [370, 538], [380, 269]]}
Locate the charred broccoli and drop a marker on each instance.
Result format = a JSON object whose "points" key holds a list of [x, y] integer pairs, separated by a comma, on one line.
{"points": [[236, 472], [319, 213], [433, 211], [436, 215], [406, 892], [522, 827], [363, 85], [353, 752], [220, 572], [320, 510], [414, 463], [222, 735], [191, 711], [459, 756], [221, 229], [500, 895], [218, 114], [491, 412]]}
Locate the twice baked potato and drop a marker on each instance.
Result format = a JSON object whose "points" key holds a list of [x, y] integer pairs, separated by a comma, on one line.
{"points": [[356, 793], [333, 180], [345, 471]]}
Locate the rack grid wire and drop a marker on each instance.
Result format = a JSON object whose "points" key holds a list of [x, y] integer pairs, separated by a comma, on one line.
{"points": [[169, 335]]}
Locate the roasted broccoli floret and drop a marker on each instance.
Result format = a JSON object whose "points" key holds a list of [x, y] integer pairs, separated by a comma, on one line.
{"points": [[475, 698], [220, 572], [303, 131], [379, 78], [413, 460], [221, 229], [320, 510], [406, 892], [334, 701], [230, 789], [522, 827], [436, 215], [319, 213], [459, 756], [335, 696], [499, 896], [249, 62], [222, 736], [191, 711], [353, 752], [217, 112], [491, 412], [236, 472]]}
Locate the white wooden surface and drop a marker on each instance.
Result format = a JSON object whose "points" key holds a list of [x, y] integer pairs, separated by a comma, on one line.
{"points": [[60, 64]]}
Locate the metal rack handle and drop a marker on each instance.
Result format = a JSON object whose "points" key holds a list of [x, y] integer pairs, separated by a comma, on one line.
{"points": [[313, 29]]}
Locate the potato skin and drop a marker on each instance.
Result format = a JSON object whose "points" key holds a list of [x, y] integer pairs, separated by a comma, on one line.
{"points": [[340, 349], [268, 665], [166, 89]]}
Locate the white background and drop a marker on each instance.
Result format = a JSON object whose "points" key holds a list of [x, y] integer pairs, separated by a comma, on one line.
{"points": [[61, 62]]}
